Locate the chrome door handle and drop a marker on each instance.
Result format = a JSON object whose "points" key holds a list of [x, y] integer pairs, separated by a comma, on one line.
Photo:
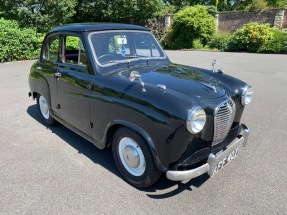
{"points": [[90, 87], [57, 75]]}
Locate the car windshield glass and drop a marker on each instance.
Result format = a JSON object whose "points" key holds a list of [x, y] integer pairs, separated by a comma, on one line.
{"points": [[117, 47]]}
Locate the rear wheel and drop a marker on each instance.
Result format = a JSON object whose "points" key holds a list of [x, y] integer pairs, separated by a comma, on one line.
{"points": [[44, 110], [134, 159]]}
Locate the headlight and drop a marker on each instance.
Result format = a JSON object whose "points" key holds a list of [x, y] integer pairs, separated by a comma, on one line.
{"points": [[195, 120], [247, 95]]}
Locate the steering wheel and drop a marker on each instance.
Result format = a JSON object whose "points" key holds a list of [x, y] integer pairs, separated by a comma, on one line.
{"points": [[106, 58]]}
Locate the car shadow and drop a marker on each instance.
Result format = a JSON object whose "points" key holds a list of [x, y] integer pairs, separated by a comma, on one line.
{"points": [[157, 191], [104, 158]]}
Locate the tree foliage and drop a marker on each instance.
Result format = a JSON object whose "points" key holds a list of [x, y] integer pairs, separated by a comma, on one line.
{"points": [[117, 10], [39, 14]]}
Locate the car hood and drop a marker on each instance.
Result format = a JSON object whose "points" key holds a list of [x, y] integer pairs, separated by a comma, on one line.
{"points": [[189, 81]]}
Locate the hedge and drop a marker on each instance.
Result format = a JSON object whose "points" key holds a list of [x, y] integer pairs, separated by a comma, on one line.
{"points": [[17, 43]]}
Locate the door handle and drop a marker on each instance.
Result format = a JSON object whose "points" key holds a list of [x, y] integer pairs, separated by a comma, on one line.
{"points": [[90, 87], [57, 75]]}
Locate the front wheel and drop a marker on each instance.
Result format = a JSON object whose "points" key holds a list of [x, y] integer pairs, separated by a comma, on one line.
{"points": [[44, 110], [133, 158]]}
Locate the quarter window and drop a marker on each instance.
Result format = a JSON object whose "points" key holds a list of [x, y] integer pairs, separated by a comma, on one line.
{"points": [[74, 51]]}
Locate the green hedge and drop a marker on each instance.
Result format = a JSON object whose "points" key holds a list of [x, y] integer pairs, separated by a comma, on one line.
{"points": [[220, 41], [17, 43], [252, 37]]}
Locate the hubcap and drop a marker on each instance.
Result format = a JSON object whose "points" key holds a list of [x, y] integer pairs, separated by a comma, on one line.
{"points": [[131, 156], [44, 107]]}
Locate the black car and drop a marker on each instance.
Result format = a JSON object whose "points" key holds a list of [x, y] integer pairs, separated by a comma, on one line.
{"points": [[114, 85]]}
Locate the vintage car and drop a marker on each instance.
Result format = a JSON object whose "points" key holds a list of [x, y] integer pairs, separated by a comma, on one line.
{"points": [[113, 85]]}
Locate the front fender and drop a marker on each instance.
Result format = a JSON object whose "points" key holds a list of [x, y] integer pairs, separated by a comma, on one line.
{"points": [[144, 134]]}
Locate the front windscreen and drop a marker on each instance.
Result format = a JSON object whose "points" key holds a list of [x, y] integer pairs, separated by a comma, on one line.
{"points": [[114, 47]]}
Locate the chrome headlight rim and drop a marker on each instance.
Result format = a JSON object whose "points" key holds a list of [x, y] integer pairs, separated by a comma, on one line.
{"points": [[196, 120], [247, 95]]}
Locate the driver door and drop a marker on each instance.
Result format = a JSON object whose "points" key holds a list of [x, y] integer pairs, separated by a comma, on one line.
{"points": [[74, 84]]}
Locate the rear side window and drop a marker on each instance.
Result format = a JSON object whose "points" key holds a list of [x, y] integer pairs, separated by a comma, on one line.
{"points": [[51, 48], [74, 51]]}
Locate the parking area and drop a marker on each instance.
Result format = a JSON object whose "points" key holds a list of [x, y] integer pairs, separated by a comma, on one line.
{"points": [[51, 170]]}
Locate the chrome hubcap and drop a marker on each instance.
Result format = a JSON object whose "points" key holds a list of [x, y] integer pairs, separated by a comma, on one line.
{"points": [[132, 156], [44, 107]]}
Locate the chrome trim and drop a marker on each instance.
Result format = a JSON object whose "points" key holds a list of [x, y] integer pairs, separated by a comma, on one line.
{"points": [[245, 134], [245, 89], [220, 71], [188, 174], [223, 119], [161, 87], [189, 116], [213, 160], [213, 64]]}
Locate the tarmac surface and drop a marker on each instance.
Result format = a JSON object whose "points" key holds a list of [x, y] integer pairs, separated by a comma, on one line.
{"points": [[51, 170]]}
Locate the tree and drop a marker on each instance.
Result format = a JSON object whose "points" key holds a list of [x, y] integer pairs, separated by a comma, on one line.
{"points": [[41, 14], [117, 10]]}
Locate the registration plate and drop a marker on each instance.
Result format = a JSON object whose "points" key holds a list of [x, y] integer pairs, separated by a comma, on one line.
{"points": [[224, 161]]}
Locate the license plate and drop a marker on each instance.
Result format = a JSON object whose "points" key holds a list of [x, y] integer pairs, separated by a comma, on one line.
{"points": [[224, 161]]}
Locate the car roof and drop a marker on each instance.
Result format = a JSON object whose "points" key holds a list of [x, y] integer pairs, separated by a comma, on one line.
{"points": [[84, 27]]}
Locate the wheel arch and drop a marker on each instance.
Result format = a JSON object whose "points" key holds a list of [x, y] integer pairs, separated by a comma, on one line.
{"points": [[121, 123], [43, 89]]}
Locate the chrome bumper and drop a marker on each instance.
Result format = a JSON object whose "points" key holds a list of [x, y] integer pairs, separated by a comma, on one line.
{"points": [[213, 160]]}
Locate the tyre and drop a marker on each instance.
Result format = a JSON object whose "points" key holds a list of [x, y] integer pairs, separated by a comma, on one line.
{"points": [[44, 110], [134, 159]]}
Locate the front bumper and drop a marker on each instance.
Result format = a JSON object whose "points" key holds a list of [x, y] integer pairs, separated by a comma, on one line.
{"points": [[213, 160]]}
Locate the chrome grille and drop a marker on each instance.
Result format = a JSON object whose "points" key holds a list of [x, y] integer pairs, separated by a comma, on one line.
{"points": [[224, 116]]}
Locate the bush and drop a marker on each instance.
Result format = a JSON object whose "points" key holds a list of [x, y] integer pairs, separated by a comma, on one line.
{"points": [[188, 25], [197, 44], [219, 41], [157, 28], [250, 37], [277, 43], [16, 43]]}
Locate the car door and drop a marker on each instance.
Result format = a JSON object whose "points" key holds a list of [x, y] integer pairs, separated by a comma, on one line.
{"points": [[48, 65], [74, 80]]}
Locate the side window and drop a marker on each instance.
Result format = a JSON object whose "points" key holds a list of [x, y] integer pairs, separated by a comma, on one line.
{"points": [[51, 49], [74, 52]]}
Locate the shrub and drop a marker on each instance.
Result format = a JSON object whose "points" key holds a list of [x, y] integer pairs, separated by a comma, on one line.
{"points": [[16, 43], [250, 37], [219, 40], [189, 24], [212, 10], [157, 28], [277, 43], [196, 44]]}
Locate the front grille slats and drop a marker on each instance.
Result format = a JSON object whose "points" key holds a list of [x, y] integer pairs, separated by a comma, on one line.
{"points": [[223, 119]]}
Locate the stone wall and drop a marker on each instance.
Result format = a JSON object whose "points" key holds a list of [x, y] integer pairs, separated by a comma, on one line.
{"points": [[284, 24], [231, 21]]}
